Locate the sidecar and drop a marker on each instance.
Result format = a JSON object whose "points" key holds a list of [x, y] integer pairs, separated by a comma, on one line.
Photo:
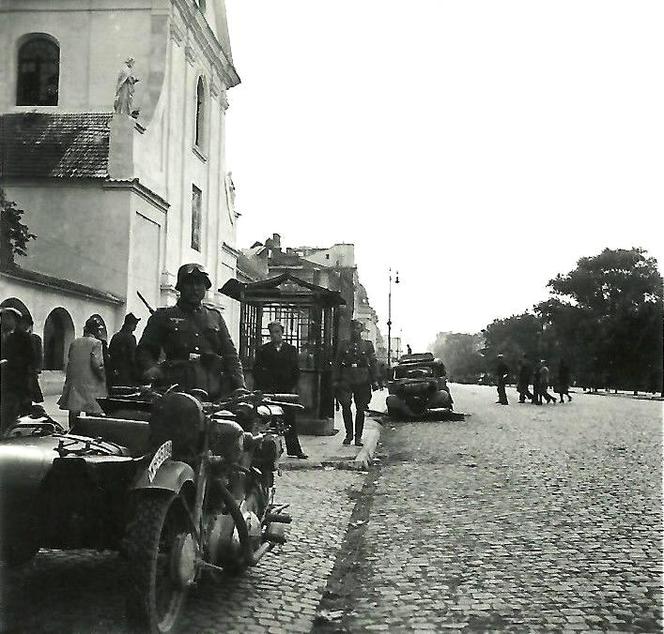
{"points": [[418, 390], [67, 490]]}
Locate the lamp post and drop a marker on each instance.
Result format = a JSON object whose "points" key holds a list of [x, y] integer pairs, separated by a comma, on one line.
{"points": [[389, 319]]}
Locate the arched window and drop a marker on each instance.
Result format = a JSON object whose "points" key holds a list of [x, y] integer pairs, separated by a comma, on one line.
{"points": [[199, 130], [38, 74], [58, 334]]}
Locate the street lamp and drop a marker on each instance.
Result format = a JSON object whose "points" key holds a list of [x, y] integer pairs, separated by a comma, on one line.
{"points": [[389, 319]]}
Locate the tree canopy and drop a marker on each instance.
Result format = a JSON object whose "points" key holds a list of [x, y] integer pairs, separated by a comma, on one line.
{"points": [[604, 318]]}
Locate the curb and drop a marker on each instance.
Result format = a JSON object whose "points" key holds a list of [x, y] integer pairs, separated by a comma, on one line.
{"points": [[361, 462], [372, 433]]}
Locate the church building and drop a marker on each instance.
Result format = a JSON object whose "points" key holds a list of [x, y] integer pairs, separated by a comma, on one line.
{"points": [[112, 116]]}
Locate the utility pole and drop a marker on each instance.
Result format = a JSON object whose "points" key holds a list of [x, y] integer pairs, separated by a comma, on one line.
{"points": [[389, 319]]}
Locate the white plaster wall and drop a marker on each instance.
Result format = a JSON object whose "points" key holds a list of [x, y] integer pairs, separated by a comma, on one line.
{"points": [[95, 37], [40, 301], [82, 231]]}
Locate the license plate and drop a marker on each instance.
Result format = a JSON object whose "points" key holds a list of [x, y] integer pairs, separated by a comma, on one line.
{"points": [[162, 455]]}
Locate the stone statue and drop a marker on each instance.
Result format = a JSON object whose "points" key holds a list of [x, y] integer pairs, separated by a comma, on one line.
{"points": [[230, 187], [124, 89]]}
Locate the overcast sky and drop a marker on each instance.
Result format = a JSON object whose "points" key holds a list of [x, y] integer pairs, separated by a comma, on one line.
{"points": [[477, 147]]}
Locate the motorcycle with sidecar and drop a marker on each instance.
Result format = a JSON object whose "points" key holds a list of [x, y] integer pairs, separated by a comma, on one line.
{"points": [[177, 485]]}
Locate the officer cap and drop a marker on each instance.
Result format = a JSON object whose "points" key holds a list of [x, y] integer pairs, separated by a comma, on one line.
{"points": [[192, 270]]}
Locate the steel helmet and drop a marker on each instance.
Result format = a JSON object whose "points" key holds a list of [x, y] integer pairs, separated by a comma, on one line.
{"points": [[192, 270]]}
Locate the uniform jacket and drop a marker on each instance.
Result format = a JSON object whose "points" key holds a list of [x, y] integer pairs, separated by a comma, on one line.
{"points": [[275, 370], [85, 380], [186, 334], [122, 352], [355, 363]]}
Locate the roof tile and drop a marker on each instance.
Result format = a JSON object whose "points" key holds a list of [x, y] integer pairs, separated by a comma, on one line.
{"points": [[54, 145]]}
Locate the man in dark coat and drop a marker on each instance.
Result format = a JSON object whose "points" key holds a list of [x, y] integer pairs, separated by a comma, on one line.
{"points": [[199, 351], [27, 324], [17, 369], [122, 353], [502, 372], [276, 371], [562, 383], [525, 373], [355, 374]]}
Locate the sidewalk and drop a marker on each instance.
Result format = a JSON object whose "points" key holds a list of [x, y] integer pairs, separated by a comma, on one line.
{"points": [[328, 451]]}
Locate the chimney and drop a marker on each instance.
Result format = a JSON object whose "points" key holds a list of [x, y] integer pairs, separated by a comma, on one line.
{"points": [[276, 242]]}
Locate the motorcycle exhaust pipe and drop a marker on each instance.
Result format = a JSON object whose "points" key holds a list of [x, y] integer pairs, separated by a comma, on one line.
{"points": [[257, 555], [278, 518]]}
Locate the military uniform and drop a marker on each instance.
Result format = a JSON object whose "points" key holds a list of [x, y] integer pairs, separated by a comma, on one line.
{"points": [[355, 370], [198, 349]]}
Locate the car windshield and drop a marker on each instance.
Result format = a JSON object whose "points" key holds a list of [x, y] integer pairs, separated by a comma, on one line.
{"points": [[406, 372]]}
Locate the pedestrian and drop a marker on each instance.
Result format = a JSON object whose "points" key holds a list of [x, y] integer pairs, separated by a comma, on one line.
{"points": [[525, 374], [544, 383], [277, 371], [537, 396], [562, 382], [355, 374], [122, 353], [193, 339], [16, 363], [36, 394], [85, 379], [502, 371]]}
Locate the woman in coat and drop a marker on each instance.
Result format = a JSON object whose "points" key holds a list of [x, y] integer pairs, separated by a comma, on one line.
{"points": [[86, 379]]}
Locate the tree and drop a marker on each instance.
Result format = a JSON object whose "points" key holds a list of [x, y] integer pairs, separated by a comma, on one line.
{"points": [[14, 235], [513, 337], [607, 315], [461, 355]]}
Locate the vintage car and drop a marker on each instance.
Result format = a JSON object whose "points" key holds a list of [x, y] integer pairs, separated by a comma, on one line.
{"points": [[418, 389]]}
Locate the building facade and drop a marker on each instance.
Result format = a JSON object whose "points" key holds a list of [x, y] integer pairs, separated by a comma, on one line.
{"points": [[118, 201], [332, 267]]}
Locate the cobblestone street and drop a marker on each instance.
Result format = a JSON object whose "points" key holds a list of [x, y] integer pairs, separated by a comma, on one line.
{"points": [[518, 519], [81, 591], [522, 518]]}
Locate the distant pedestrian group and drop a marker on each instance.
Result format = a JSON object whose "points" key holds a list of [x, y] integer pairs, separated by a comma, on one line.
{"points": [[539, 376]]}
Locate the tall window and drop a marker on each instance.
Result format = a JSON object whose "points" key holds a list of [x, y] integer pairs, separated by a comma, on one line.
{"points": [[196, 217], [38, 72], [200, 113]]}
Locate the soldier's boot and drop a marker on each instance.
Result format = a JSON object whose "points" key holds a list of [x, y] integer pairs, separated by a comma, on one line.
{"points": [[359, 426], [348, 424]]}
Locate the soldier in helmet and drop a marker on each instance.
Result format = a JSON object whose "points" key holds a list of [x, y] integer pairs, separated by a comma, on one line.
{"points": [[198, 350], [355, 375]]}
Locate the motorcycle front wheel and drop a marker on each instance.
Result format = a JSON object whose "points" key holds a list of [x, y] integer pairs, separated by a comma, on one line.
{"points": [[155, 592]]}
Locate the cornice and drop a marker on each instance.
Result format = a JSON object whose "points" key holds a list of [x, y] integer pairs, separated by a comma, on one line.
{"points": [[138, 187], [177, 31], [206, 40]]}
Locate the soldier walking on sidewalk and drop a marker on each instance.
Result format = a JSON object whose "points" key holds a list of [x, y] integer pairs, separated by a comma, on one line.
{"points": [[355, 374]]}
